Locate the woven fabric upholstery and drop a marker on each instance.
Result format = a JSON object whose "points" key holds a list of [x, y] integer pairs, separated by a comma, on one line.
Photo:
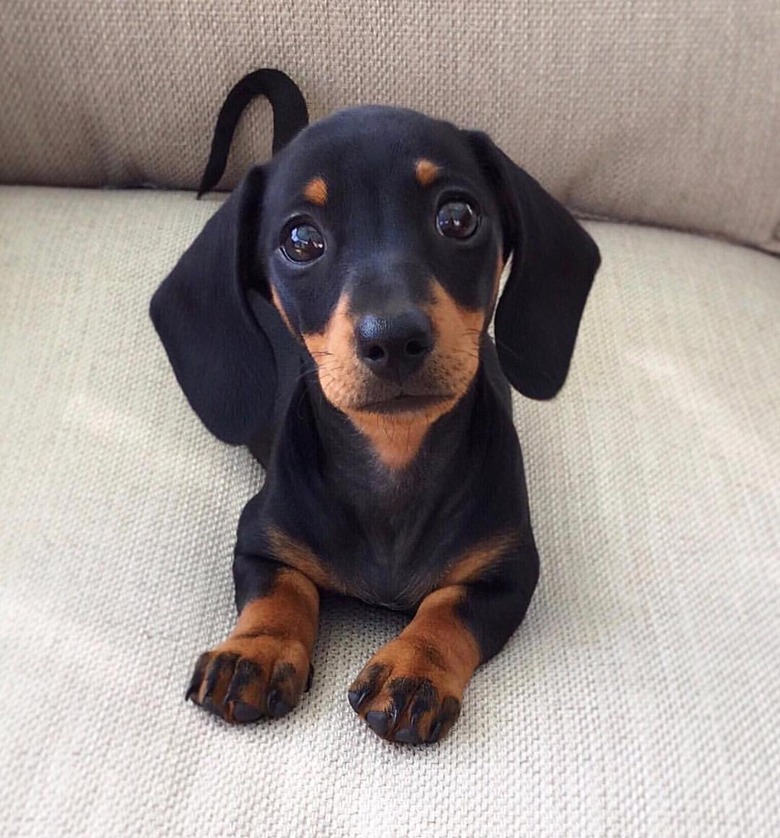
{"points": [[650, 110], [638, 698]]}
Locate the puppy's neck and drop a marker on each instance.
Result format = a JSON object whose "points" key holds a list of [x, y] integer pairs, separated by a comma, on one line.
{"points": [[396, 445], [395, 441]]}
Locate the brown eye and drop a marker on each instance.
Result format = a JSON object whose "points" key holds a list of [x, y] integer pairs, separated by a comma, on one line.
{"points": [[457, 219], [302, 242]]}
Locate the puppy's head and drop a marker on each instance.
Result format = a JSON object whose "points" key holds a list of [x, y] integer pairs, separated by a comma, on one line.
{"points": [[379, 236], [380, 245]]}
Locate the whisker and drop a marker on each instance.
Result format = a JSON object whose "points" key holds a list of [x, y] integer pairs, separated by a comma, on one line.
{"points": [[466, 352], [306, 372]]}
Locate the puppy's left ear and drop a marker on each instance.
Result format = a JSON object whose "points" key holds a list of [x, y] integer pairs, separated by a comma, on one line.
{"points": [[553, 265]]}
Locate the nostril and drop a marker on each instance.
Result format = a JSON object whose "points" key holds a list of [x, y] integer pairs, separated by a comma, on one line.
{"points": [[414, 348], [394, 346]]}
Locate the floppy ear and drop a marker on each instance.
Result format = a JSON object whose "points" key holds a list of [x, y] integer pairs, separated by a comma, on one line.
{"points": [[218, 344], [553, 267]]}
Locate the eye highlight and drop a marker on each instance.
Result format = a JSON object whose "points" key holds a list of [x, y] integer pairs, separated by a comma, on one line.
{"points": [[301, 241], [456, 218]]}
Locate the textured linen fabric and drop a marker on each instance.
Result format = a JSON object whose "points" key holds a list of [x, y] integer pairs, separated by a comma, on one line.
{"points": [[650, 110], [638, 698]]}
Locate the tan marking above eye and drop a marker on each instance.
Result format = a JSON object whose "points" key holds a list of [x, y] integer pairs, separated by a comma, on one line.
{"points": [[426, 171], [316, 191]]}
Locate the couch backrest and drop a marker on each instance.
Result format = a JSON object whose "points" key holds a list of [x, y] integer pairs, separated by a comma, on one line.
{"points": [[658, 111]]}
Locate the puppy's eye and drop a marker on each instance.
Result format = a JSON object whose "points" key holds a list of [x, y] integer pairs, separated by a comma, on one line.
{"points": [[302, 242], [457, 219]]}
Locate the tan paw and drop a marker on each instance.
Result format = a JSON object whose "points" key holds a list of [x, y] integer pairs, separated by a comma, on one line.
{"points": [[243, 680], [406, 693]]}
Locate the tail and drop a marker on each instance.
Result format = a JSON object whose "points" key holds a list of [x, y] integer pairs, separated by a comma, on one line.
{"points": [[290, 116]]}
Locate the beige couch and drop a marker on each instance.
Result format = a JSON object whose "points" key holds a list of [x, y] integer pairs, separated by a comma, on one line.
{"points": [[640, 696]]}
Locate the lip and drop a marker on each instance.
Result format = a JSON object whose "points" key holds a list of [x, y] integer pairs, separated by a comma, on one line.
{"points": [[405, 403]]}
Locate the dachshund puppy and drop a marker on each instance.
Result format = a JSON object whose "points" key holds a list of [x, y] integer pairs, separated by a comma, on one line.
{"points": [[332, 316]]}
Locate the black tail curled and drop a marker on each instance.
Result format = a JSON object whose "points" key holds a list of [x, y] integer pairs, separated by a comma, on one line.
{"points": [[290, 116]]}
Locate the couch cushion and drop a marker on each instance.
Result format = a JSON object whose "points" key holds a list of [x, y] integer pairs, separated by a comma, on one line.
{"points": [[640, 694], [662, 111]]}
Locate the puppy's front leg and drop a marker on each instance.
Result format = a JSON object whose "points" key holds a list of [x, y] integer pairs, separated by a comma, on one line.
{"points": [[264, 665], [411, 689]]}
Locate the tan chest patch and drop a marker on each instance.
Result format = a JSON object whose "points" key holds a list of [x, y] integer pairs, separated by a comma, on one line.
{"points": [[396, 440]]}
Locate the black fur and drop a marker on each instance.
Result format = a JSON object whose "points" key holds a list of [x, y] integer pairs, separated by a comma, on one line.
{"points": [[386, 536]]}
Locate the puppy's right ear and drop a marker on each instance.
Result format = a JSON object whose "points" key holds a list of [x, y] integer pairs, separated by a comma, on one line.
{"points": [[216, 343]]}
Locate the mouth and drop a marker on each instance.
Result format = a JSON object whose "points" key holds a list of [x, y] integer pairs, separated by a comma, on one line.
{"points": [[405, 403]]}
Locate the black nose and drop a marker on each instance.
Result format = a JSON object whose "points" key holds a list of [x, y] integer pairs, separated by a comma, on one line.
{"points": [[394, 347]]}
